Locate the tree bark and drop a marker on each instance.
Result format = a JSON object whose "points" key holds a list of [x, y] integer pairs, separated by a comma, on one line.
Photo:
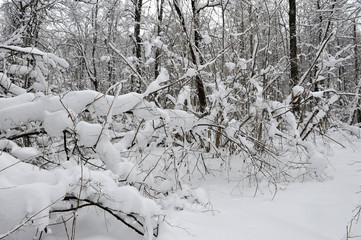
{"points": [[94, 78], [136, 83], [251, 34], [160, 4], [357, 112], [293, 44], [195, 53], [198, 59]]}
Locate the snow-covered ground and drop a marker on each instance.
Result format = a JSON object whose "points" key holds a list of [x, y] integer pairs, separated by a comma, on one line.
{"points": [[310, 210]]}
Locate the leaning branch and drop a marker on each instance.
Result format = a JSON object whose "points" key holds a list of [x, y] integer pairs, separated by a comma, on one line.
{"points": [[132, 67], [324, 44], [30, 219], [30, 132], [111, 211]]}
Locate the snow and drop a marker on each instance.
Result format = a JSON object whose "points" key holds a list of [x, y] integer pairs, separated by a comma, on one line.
{"points": [[7, 84], [147, 48], [318, 94], [117, 164], [22, 153], [23, 98], [242, 63], [230, 65], [29, 193], [201, 196], [25, 153], [56, 122], [35, 51], [191, 72], [76, 102], [133, 202], [297, 90], [149, 61], [18, 69], [308, 210], [212, 208], [206, 39], [156, 85], [89, 134], [317, 162], [184, 98], [105, 58]]}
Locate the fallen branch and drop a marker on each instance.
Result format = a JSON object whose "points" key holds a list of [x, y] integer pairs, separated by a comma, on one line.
{"points": [[111, 211]]}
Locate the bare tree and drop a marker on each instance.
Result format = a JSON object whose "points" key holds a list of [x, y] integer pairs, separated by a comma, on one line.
{"points": [[160, 5], [136, 83], [293, 43]]}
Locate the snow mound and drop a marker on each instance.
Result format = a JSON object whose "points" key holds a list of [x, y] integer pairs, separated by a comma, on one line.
{"points": [[56, 122]]}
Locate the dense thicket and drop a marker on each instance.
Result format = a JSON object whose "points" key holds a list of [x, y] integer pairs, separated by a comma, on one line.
{"points": [[174, 89]]}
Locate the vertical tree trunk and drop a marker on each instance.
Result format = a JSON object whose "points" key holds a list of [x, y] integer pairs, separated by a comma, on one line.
{"points": [[251, 34], [94, 78], [293, 44], [223, 39], [137, 18], [194, 51], [355, 40], [110, 35], [316, 89], [198, 59], [242, 29], [357, 112], [136, 84], [197, 35], [160, 4]]}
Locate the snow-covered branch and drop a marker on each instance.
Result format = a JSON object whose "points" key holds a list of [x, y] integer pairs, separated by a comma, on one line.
{"points": [[211, 3]]}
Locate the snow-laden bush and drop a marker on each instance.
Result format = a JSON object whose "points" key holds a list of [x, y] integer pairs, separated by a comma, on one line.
{"points": [[128, 155], [42, 181]]}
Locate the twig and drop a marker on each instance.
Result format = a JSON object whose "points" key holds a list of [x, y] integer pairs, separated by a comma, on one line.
{"points": [[28, 220], [106, 209], [303, 78], [24, 134], [66, 229], [128, 63]]}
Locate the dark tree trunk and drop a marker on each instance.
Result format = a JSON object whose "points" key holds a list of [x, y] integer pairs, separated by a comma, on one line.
{"points": [[293, 44], [94, 47], [136, 83], [158, 51], [195, 53], [357, 113], [356, 53], [251, 34], [137, 18], [198, 59]]}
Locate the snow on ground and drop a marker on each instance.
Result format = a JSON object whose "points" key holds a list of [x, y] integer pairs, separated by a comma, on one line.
{"points": [[309, 210]]}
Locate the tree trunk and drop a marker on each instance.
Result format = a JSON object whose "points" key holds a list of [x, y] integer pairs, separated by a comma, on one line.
{"points": [[198, 59], [94, 47], [109, 39], [195, 53], [136, 84], [293, 44], [357, 113], [160, 4], [356, 53], [251, 34]]}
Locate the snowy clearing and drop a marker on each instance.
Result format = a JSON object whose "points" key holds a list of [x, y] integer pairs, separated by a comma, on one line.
{"points": [[309, 210]]}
